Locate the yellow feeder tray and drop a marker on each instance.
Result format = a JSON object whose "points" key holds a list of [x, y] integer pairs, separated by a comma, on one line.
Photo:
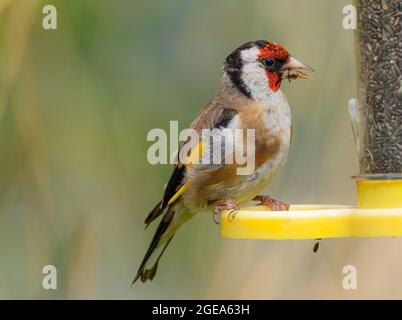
{"points": [[379, 214]]}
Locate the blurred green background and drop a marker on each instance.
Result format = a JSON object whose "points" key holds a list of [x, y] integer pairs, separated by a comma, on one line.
{"points": [[76, 105]]}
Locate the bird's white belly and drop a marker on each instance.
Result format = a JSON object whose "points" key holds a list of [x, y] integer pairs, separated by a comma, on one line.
{"points": [[252, 185], [277, 118]]}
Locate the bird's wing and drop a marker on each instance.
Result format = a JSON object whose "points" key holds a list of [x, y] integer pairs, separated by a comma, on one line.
{"points": [[211, 116]]}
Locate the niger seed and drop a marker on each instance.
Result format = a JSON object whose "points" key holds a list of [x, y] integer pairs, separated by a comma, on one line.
{"points": [[379, 44]]}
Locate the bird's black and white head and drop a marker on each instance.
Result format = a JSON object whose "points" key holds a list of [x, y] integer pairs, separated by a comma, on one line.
{"points": [[257, 68]]}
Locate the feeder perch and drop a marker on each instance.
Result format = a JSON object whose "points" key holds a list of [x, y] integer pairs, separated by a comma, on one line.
{"points": [[376, 118]]}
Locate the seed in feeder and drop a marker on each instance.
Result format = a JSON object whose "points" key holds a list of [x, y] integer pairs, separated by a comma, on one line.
{"points": [[380, 85]]}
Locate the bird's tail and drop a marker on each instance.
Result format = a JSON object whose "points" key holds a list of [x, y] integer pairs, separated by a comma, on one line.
{"points": [[174, 217]]}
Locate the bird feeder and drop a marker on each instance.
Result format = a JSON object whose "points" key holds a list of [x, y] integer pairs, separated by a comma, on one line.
{"points": [[376, 117]]}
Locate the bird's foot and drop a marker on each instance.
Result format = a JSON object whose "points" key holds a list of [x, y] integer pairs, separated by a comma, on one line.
{"points": [[223, 205], [274, 204]]}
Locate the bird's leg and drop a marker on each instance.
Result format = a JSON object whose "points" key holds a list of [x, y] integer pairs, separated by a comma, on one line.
{"points": [[222, 205], [274, 204]]}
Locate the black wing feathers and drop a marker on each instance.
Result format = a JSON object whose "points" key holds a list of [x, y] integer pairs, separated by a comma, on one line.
{"points": [[224, 119], [177, 177]]}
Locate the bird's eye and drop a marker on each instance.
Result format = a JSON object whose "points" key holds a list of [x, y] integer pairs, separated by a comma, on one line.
{"points": [[268, 63]]}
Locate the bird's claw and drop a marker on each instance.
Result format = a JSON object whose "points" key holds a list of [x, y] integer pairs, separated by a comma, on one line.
{"points": [[272, 203], [223, 205], [216, 216]]}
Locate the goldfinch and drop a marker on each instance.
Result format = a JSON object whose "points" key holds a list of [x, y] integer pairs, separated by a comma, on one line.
{"points": [[249, 98]]}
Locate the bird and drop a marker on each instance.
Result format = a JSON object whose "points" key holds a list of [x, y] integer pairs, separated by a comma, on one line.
{"points": [[249, 97]]}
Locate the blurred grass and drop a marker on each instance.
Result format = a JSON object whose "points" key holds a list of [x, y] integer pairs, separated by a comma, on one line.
{"points": [[75, 108]]}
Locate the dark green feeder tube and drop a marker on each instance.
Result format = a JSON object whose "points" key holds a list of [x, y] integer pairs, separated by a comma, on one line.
{"points": [[379, 107]]}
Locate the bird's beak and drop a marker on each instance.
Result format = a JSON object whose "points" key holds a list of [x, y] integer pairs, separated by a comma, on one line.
{"points": [[292, 69]]}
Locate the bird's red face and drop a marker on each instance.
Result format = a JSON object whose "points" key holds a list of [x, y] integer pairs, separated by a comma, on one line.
{"points": [[273, 56], [258, 67]]}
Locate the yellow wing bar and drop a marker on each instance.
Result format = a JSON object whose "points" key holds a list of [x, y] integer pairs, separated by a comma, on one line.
{"points": [[196, 155]]}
